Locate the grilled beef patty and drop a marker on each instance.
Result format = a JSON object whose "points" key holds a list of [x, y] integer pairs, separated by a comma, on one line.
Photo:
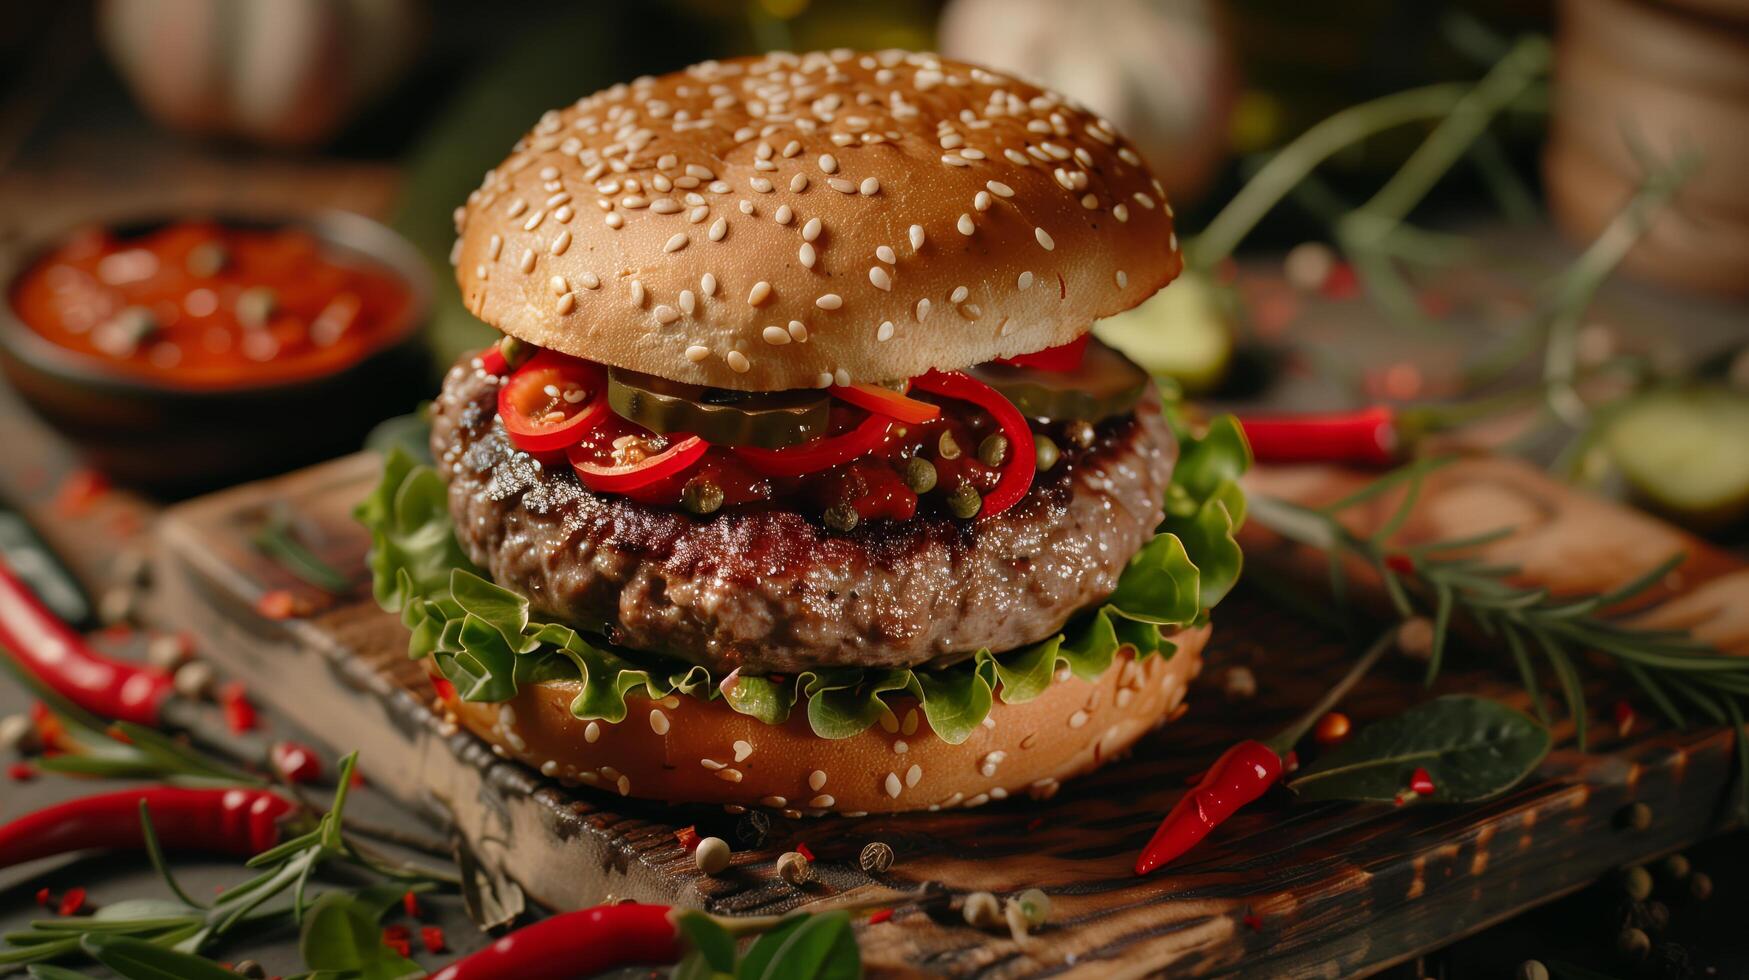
{"points": [[771, 591]]}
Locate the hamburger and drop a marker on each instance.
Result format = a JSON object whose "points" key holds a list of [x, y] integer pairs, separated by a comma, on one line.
{"points": [[797, 480]]}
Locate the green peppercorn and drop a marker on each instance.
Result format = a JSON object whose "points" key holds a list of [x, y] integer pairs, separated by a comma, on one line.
{"points": [[515, 350], [1035, 905], [920, 475], [255, 305], [842, 517], [964, 503], [701, 497], [948, 447], [207, 259], [1676, 866], [1045, 452], [1637, 882], [1079, 433], [993, 450], [1633, 943]]}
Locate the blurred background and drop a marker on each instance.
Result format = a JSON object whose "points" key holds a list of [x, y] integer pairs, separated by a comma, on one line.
{"points": [[1524, 225]]}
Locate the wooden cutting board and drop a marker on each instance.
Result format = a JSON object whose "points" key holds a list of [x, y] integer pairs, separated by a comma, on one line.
{"points": [[1327, 889]]}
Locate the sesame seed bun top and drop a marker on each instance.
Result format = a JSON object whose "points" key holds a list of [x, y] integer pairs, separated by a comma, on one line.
{"points": [[792, 221]]}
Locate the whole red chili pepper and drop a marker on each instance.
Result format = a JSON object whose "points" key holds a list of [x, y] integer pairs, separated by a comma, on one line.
{"points": [[576, 944], [1369, 436], [1242, 774], [239, 822], [60, 658]]}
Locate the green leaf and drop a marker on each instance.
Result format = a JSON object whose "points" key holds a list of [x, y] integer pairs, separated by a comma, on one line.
{"points": [[341, 933], [48, 971], [1160, 584], [1473, 748], [815, 947], [708, 939], [137, 959]]}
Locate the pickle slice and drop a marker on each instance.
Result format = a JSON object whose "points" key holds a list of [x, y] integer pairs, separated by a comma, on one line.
{"points": [[1106, 384], [767, 420]]}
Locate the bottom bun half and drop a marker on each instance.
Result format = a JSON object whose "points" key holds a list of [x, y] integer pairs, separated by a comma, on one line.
{"points": [[680, 749]]}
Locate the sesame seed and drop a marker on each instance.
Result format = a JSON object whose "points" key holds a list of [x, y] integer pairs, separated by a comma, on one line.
{"points": [[885, 333], [798, 183], [666, 314], [816, 779], [881, 279], [828, 163], [698, 213], [893, 786], [1017, 158], [966, 226], [637, 293], [527, 263], [743, 749], [959, 294], [719, 228], [1078, 719], [823, 379], [1143, 199], [625, 785], [981, 201], [922, 310], [841, 185], [870, 187], [494, 246], [558, 285], [791, 148], [592, 732], [955, 160], [760, 184], [784, 215], [1044, 239], [913, 775], [565, 303], [822, 801], [952, 141], [699, 173], [665, 205], [811, 230], [516, 207], [760, 292], [999, 189], [1128, 156], [688, 302], [775, 335], [614, 220], [667, 161], [729, 775], [885, 254], [805, 255], [658, 720], [738, 361], [746, 207], [1172, 241], [561, 242], [1121, 213], [773, 801], [1123, 279], [1024, 282], [798, 331], [676, 243], [634, 201], [696, 353], [829, 301], [708, 284], [563, 214], [589, 280], [718, 187]]}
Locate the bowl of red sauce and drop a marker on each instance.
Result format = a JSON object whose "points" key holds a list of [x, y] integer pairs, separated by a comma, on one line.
{"points": [[186, 353]]}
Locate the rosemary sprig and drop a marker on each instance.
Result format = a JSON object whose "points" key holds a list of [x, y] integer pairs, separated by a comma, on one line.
{"points": [[1445, 581], [277, 539]]}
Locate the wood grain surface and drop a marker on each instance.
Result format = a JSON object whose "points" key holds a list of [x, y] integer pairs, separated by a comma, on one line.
{"points": [[1282, 889]]}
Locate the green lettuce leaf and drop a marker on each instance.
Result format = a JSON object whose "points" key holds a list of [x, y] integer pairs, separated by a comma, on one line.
{"points": [[488, 642]]}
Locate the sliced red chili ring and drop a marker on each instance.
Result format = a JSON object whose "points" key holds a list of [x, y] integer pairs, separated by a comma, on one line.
{"points": [[886, 401], [492, 361], [821, 453], [1022, 462], [1064, 357], [537, 406], [685, 451]]}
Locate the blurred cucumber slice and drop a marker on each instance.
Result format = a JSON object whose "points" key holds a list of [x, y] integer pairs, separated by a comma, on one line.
{"points": [[1686, 452], [1184, 332]]}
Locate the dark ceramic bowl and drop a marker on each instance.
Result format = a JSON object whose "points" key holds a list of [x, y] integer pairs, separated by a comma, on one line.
{"points": [[172, 440]]}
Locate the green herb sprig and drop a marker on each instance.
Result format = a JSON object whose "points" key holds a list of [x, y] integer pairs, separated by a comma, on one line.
{"points": [[1443, 580]]}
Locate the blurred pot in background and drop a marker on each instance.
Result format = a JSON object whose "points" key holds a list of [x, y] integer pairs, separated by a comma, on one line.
{"points": [[1661, 77], [283, 73], [1160, 70]]}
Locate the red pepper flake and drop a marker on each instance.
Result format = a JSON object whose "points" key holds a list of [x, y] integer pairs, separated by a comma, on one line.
{"points": [[296, 762], [49, 731], [410, 905], [432, 938], [398, 936], [1400, 563], [1290, 762], [1252, 921], [445, 690], [277, 604], [79, 491], [403, 946], [357, 777], [688, 838], [1624, 718], [1341, 283], [21, 772], [802, 849], [1034, 824], [71, 902], [879, 916], [43, 897], [239, 713], [1421, 782]]}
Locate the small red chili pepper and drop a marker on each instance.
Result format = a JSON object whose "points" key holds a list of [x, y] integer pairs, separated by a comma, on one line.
{"points": [[410, 904], [433, 939], [1368, 437], [574, 944], [71, 902], [1421, 782], [21, 772], [239, 822], [43, 897], [296, 762], [61, 658], [880, 916], [239, 712], [1240, 775]]}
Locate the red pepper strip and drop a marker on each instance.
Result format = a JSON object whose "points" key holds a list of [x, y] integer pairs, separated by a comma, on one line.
{"points": [[238, 822], [1066, 357], [886, 401], [1017, 474], [686, 451], [575, 944], [492, 361], [61, 659], [818, 454], [525, 405], [1240, 775], [1368, 436]]}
